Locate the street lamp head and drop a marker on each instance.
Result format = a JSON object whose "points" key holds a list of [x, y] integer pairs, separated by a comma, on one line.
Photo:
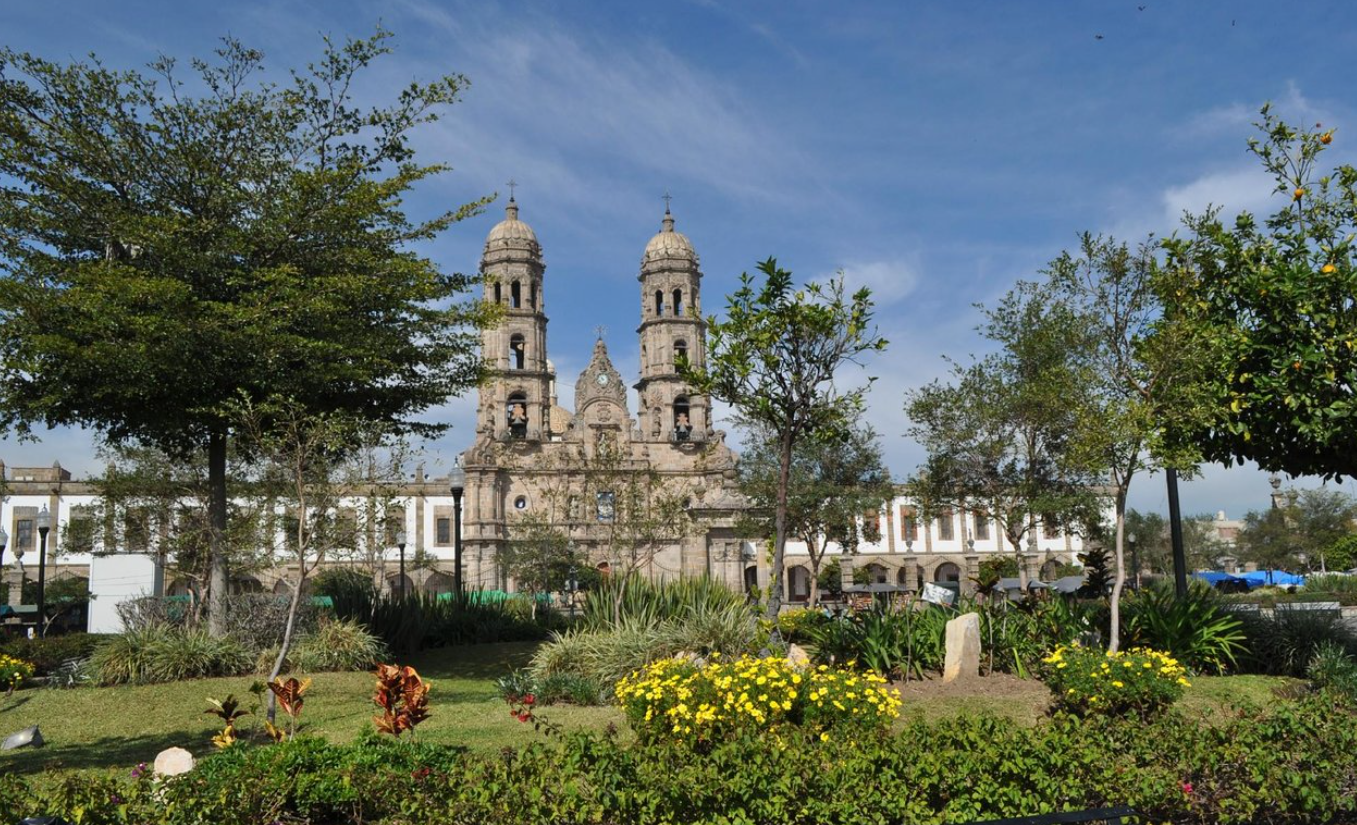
{"points": [[1131, 538], [400, 538], [457, 479], [44, 520]]}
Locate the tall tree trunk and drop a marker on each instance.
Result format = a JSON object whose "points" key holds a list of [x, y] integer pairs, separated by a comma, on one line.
{"points": [[216, 534], [1114, 632], [784, 473], [287, 642], [815, 559]]}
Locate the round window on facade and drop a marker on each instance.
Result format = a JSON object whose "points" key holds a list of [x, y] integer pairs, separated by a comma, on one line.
{"points": [[521, 503]]}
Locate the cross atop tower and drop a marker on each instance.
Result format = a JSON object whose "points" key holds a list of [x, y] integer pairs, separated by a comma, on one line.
{"points": [[600, 331], [511, 184], [667, 198]]}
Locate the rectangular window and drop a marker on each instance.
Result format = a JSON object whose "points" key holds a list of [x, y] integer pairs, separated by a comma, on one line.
{"points": [[23, 535], [909, 523], [80, 532], [981, 528], [136, 530], [443, 530], [946, 525]]}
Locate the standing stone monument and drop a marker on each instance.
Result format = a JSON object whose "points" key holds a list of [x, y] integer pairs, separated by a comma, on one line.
{"points": [[963, 648]]}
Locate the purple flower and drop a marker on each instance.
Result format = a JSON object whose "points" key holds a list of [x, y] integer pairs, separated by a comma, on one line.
{"points": [[139, 771]]}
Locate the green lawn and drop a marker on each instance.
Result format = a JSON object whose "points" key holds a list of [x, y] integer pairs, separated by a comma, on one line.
{"points": [[121, 726], [104, 728]]}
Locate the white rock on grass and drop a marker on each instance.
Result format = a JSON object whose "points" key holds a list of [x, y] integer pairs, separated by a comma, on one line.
{"points": [[173, 762]]}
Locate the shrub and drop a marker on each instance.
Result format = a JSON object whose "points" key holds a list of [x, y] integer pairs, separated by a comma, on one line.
{"points": [[422, 620], [1197, 629], [569, 688], [14, 671], [49, 654], [1139, 681], [892, 643], [1289, 765], [651, 602], [337, 645], [604, 657], [257, 619], [166, 654], [799, 624], [679, 701], [1284, 644], [1333, 668]]}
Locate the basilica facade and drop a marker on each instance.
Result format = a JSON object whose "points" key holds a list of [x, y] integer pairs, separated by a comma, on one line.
{"points": [[586, 473]]}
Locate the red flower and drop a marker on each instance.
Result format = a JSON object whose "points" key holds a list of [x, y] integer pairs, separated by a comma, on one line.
{"points": [[1187, 787], [530, 699]]}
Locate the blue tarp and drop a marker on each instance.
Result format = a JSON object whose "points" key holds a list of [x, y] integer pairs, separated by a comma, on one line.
{"points": [[1215, 577], [1258, 578]]}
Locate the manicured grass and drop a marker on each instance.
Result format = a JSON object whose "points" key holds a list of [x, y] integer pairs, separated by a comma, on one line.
{"points": [[117, 727]]}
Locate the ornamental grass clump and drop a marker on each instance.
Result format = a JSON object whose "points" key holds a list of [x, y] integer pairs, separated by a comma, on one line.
{"points": [[684, 702], [1139, 681]]}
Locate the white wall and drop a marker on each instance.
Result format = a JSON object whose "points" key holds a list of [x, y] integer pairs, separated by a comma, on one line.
{"points": [[116, 579]]}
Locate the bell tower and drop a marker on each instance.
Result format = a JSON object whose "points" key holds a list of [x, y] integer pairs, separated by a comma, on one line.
{"points": [[671, 329], [516, 404]]}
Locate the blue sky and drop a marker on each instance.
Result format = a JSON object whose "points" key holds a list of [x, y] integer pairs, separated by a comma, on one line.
{"points": [[934, 152]]}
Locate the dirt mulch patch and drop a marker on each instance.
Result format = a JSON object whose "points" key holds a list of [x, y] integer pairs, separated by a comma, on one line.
{"points": [[1023, 700], [996, 685]]}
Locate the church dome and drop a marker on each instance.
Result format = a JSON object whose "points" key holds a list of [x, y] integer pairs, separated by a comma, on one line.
{"points": [[669, 244], [510, 231]]}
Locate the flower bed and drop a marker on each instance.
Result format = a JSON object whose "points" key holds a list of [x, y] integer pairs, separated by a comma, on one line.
{"points": [[1139, 681], [682, 701], [13, 672]]}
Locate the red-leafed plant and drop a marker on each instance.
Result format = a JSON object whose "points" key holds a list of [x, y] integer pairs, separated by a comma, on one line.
{"points": [[403, 698], [289, 693]]}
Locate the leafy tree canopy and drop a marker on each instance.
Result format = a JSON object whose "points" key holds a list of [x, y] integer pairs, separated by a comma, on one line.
{"points": [[775, 357], [1276, 302]]}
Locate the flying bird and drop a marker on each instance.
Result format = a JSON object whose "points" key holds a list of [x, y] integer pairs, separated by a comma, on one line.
{"points": [[1097, 37]]}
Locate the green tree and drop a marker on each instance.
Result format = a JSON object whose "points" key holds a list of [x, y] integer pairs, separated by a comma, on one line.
{"points": [[1342, 554], [1269, 540], [1151, 540], [299, 458], [1201, 543], [1140, 370], [1322, 519], [163, 252], [1274, 301], [775, 358], [999, 434], [836, 477]]}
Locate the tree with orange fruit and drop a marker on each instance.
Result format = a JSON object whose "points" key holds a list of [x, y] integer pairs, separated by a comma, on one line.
{"points": [[1276, 302]]}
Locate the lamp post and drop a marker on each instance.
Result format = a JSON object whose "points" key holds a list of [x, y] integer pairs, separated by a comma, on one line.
{"points": [[400, 544], [4, 540], [457, 483], [44, 524]]}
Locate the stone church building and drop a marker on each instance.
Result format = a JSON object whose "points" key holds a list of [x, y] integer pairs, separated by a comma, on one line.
{"points": [[535, 462]]}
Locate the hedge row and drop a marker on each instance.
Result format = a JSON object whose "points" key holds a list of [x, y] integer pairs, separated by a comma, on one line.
{"points": [[1293, 764]]}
